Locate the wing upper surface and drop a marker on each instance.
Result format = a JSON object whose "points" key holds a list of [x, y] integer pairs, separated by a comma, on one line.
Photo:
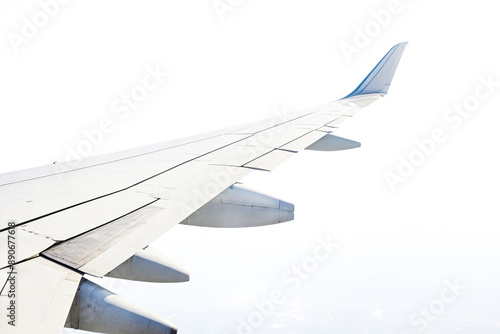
{"points": [[182, 178]]}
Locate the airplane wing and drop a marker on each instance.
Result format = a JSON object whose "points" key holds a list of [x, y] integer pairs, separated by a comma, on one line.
{"points": [[97, 216]]}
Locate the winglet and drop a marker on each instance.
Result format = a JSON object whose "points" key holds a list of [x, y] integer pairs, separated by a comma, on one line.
{"points": [[379, 79]]}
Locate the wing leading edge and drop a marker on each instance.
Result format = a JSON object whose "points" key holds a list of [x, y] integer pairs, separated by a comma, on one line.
{"points": [[162, 185]]}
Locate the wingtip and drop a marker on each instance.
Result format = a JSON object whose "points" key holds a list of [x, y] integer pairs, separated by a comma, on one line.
{"points": [[379, 79]]}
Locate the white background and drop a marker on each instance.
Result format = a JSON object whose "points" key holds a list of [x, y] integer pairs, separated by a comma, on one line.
{"points": [[397, 248]]}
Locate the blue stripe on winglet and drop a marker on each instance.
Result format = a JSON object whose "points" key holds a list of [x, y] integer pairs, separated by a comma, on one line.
{"points": [[379, 79]]}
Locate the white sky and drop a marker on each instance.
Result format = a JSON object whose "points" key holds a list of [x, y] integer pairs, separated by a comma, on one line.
{"points": [[397, 248]]}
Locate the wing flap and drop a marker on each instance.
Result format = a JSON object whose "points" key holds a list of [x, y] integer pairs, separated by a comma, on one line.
{"points": [[99, 251], [236, 155], [301, 143], [84, 249], [82, 218], [270, 161]]}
